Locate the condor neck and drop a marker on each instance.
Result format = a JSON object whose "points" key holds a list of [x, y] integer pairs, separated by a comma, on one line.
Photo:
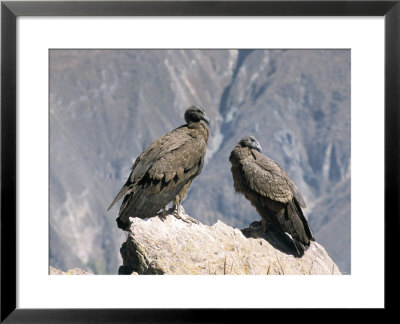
{"points": [[201, 126]]}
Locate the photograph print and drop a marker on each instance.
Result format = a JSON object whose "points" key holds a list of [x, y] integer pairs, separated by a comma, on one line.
{"points": [[197, 161]]}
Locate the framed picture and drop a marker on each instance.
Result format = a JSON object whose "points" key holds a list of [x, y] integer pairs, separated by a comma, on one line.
{"points": [[50, 49]]}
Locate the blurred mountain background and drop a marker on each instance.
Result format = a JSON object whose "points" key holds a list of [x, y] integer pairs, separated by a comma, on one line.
{"points": [[106, 106]]}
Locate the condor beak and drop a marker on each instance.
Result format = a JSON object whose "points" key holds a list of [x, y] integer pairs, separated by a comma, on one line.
{"points": [[205, 118], [258, 147]]}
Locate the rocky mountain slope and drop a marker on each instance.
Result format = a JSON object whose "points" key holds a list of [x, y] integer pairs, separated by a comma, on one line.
{"points": [[70, 272], [106, 106]]}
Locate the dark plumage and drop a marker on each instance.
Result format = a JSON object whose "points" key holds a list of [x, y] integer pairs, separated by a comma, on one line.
{"points": [[271, 191], [164, 171]]}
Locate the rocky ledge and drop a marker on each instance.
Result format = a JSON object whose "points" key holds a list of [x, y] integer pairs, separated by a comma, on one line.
{"points": [[171, 246]]}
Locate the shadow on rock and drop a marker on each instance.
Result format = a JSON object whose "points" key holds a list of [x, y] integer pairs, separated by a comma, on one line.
{"points": [[278, 240]]}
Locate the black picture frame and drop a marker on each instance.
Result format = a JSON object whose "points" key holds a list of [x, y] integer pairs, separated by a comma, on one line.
{"points": [[10, 10]]}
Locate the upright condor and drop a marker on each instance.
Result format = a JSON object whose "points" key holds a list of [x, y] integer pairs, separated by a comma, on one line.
{"points": [[164, 171], [271, 191]]}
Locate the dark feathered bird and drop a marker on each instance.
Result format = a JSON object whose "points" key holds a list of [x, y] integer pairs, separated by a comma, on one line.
{"points": [[271, 191], [164, 171]]}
